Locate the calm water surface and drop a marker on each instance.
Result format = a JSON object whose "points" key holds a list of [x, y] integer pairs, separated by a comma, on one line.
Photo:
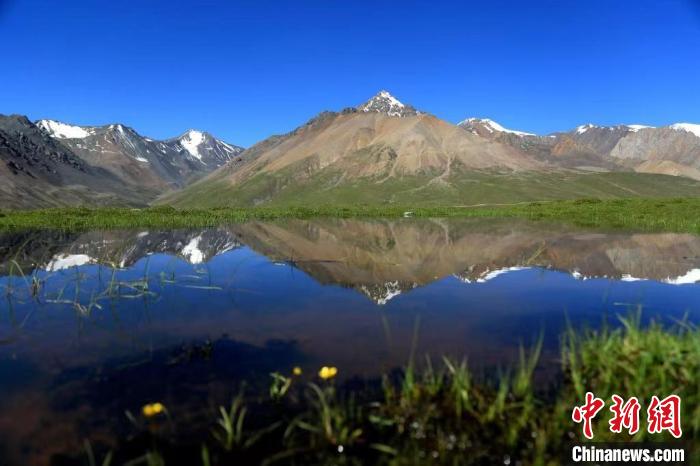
{"points": [[96, 324]]}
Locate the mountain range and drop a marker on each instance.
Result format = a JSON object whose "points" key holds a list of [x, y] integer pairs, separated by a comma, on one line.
{"points": [[382, 151], [48, 163]]}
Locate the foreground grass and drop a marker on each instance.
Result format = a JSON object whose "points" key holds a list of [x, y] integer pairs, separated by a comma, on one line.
{"points": [[677, 215], [441, 415]]}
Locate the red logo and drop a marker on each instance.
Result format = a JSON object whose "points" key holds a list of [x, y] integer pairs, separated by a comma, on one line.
{"points": [[625, 415], [587, 412], [665, 415], [662, 415]]}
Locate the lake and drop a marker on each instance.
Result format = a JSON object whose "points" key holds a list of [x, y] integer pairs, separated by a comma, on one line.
{"points": [[93, 325]]}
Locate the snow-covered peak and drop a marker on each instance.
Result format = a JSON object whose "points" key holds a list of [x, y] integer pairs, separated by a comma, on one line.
{"points": [[194, 134], [121, 130], [583, 128], [384, 102], [385, 96], [635, 128], [491, 126], [191, 142], [689, 127], [60, 130]]}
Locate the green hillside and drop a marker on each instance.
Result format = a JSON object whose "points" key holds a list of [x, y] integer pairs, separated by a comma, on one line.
{"points": [[328, 188]]}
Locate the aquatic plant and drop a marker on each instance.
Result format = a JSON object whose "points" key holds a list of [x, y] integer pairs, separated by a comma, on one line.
{"points": [[446, 414], [327, 372], [152, 409]]}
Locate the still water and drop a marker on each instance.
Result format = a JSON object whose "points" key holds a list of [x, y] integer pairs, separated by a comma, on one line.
{"points": [[93, 325]]}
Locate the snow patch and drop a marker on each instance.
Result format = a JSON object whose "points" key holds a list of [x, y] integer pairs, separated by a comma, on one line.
{"points": [[192, 252], [692, 277], [384, 102], [629, 278], [391, 290], [391, 99], [492, 126], [635, 128], [191, 141], [66, 261], [60, 130], [490, 275], [583, 128], [689, 127]]}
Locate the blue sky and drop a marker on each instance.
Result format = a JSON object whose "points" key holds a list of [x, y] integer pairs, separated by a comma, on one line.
{"points": [[244, 70]]}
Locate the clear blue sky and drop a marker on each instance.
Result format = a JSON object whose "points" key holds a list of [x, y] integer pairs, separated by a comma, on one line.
{"points": [[244, 70]]}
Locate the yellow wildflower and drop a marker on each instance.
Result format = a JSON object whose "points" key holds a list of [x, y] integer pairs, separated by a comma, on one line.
{"points": [[328, 372], [152, 409], [296, 371]]}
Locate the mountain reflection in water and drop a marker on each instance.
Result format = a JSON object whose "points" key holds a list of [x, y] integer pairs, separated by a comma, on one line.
{"points": [[93, 324]]}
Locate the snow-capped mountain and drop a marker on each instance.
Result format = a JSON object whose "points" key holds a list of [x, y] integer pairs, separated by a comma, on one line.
{"points": [[205, 148], [380, 139], [38, 170], [384, 102], [136, 159], [486, 127], [670, 150]]}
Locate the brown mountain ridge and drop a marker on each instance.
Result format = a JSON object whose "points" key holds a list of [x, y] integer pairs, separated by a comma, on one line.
{"points": [[386, 152]]}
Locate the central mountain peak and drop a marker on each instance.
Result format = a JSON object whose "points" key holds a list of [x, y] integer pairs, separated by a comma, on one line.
{"points": [[384, 102]]}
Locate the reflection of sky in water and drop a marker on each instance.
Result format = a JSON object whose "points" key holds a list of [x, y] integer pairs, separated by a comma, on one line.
{"points": [[309, 297], [245, 296]]}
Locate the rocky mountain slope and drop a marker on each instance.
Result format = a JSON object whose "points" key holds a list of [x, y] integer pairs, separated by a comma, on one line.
{"points": [[386, 151], [38, 171], [52, 163], [136, 159], [670, 150]]}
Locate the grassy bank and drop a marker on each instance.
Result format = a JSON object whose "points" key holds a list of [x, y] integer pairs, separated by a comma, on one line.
{"points": [[438, 413], [677, 215]]}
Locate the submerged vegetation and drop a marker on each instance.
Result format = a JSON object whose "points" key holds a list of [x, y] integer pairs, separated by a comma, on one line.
{"points": [[677, 215], [439, 414]]}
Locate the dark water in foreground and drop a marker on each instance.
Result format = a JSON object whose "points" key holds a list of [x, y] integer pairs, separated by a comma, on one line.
{"points": [[100, 323]]}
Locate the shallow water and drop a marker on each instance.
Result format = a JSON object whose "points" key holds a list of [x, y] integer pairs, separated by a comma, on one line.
{"points": [[96, 324]]}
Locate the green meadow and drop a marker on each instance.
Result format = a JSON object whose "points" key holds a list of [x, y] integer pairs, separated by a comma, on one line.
{"points": [[663, 214]]}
